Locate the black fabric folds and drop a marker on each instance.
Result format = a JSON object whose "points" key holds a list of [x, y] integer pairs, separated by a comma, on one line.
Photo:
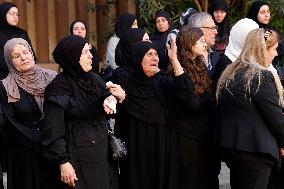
{"points": [[122, 51], [123, 24]]}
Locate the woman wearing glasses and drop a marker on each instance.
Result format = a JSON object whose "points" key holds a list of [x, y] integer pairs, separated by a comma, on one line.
{"points": [[250, 122], [21, 120], [9, 17]]}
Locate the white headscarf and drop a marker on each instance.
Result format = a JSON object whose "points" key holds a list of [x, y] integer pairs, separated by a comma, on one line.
{"points": [[237, 37]]}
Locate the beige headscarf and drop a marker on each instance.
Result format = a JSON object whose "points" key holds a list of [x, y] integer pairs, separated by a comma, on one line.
{"points": [[33, 81]]}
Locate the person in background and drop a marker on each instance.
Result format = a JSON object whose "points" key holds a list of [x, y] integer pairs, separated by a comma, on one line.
{"points": [[78, 27], [183, 20], [21, 100], [205, 22], [123, 24], [76, 104], [259, 11], [163, 25], [250, 121], [9, 17], [123, 52], [237, 39], [220, 14]]}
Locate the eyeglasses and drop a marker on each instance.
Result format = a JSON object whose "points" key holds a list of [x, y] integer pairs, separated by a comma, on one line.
{"points": [[266, 33], [13, 13], [210, 28], [201, 41]]}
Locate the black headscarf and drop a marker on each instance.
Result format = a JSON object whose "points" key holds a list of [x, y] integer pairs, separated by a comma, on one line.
{"points": [[4, 25], [74, 80], [160, 40], [122, 51], [148, 101], [94, 52], [167, 16], [138, 51], [8, 32], [253, 12], [224, 26], [74, 22], [123, 24]]}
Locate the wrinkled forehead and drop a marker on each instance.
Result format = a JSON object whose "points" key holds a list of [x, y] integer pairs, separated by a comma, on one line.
{"points": [[11, 44]]}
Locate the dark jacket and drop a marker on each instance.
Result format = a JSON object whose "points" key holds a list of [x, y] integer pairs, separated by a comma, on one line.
{"points": [[251, 122], [214, 57], [71, 137], [220, 66]]}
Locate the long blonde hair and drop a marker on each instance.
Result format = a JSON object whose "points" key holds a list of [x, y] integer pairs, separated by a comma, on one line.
{"points": [[252, 60]]}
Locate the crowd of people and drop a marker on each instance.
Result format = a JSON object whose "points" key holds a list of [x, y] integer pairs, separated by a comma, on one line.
{"points": [[184, 100]]}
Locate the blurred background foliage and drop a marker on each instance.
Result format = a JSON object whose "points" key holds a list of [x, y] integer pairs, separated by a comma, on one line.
{"points": [[146, 10]]}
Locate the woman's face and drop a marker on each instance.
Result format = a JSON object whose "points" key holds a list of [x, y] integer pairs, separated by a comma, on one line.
{"points": [[135, 24], [199, 48], [79, 29], [162, 24], [263, 15], [22, 58], [12, 16], [219, 15], [271, 53], [86, 58], [150, 63]]}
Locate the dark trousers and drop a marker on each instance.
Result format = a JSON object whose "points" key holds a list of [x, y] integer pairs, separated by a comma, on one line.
{"points": [[248, 170], [277, 176], [1, 178], [198, 168]]}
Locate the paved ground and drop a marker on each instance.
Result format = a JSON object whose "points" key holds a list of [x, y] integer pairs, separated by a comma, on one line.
{"points": [[224, 178]]}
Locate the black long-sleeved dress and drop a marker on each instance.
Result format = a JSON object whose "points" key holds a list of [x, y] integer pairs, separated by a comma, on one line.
{"points": [[70, 137], [26, 166], [148, 130], [198, 166]]}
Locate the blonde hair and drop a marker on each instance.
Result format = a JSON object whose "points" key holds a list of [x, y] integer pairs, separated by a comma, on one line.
{"points": [[252, 61]]}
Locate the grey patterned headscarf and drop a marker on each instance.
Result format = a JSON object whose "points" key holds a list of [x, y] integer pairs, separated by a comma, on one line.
{"points": [[32, 81]]}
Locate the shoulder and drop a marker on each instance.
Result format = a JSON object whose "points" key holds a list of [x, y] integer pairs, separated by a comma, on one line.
{"points": [[114, 39], [61, 100]]}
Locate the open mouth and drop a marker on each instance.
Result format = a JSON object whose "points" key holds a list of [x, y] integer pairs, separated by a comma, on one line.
{"points": [[153, 64]]}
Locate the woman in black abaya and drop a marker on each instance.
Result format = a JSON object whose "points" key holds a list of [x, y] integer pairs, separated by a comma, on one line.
{"points": [[21, 99], [148, 127], [76, 139], [9, 16], [163, 25]]}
